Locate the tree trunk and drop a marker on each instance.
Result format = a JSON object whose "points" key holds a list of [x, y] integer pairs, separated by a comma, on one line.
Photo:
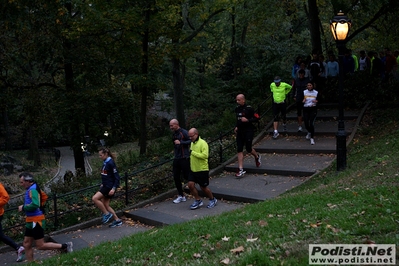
{"points": [[74, 122], [8, 141], [33, 152], [144, 90], [178, 92], [314, 26]]}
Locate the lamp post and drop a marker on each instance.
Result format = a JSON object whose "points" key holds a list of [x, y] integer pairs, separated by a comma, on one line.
{"points": [[340, 26]]}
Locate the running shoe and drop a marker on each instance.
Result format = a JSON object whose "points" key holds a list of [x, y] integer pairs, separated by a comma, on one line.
{"points": [[240, 172], [299, 129], [21, 254], [275, 134], [69, 248], [196, 204], [107, 217], [180, 199], [257, 161], [212, 203], [308, 136], [115, 224], [311, 141]]}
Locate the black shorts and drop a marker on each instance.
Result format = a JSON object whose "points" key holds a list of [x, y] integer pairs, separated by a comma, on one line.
{"points": [[244, 138], [105, 190], [299, 108], [37, 232], [279, 108], [201, 178]]}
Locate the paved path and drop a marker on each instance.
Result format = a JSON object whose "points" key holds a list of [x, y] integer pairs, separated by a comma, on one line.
{"points": [[287, 162]]}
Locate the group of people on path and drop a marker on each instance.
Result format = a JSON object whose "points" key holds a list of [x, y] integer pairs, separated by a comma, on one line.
{"points": [[192, 161], [191, 154], [305, 97]]}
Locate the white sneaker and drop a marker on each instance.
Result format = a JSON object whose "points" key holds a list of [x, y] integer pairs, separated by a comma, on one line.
{"points": [[21, 254], [299, 129], [275, 134], [308, 136], [240, 172], [180, 199], [311, 141]]}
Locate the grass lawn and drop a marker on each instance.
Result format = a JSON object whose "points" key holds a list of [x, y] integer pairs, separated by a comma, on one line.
{"points": [[357, 206]]}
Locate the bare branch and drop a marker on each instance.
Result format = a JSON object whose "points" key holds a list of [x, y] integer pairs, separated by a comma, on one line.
{"points": [[200, 28]]}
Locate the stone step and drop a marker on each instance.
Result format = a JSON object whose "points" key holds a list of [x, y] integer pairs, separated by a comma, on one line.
{"points": [[167, 213], [321, 128], [297, 164], [297, 145], [327, 114]]}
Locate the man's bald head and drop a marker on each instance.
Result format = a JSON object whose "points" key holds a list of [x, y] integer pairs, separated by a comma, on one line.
{"points": [[240, 99], [174, 124]]}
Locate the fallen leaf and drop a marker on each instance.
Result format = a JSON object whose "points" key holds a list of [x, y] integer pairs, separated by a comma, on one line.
{"points": [[207, 236], [197, 255], [252, 239], [225, 238], [170, 255], [226, 261], [263, 223], [248, 223], [316, 224], [237, 250], [369, 241]]}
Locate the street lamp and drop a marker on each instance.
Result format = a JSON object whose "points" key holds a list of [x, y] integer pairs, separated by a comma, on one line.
{"points": [[340, 26]]}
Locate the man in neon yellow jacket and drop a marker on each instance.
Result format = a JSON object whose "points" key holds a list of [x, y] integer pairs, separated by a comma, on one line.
{"points": [[199, 153], [280, 91]]}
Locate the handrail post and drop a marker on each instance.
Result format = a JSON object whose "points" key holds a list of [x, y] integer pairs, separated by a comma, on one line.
{"points": [[259, 117], [220, 148], [126, 190], [55, 210]]}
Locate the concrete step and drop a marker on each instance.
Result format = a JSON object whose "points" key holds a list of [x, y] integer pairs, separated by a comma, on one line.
{"points": [[298, 164], [329, 128], [231, 192], [167, 213], [327, 114], [285, 144], [252, 187]]}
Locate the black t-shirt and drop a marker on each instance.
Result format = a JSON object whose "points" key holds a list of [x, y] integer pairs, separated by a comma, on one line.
{"points": [[249, 113]]}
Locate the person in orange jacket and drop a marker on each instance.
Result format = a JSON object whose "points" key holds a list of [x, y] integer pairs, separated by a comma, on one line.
{"points": [[4, 198]]}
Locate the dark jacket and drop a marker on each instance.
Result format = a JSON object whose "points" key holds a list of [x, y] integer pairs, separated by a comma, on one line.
{"points": [[299, 87], [109, 174], [183, 149]]}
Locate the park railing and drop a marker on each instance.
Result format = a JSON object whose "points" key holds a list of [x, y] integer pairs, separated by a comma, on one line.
{"points": [[74, 207]]}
